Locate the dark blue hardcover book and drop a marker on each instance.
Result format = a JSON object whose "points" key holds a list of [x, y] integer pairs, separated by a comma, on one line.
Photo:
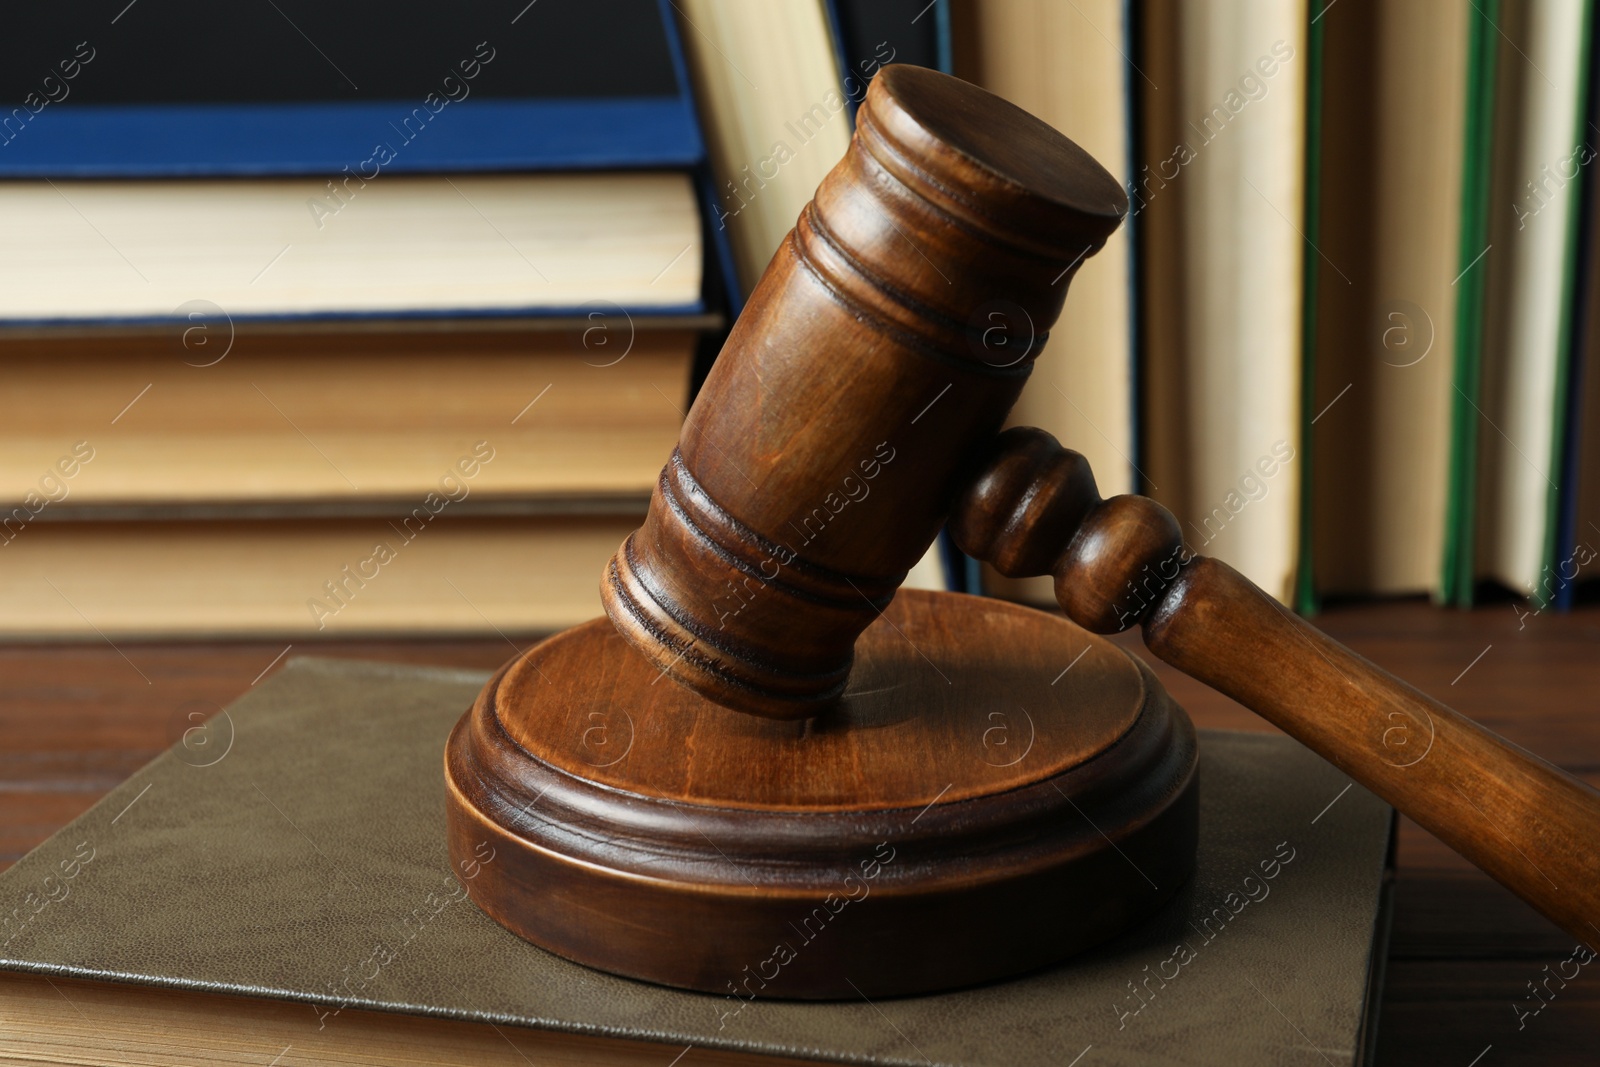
{"points": [[351, 90], [163, 88], [869, 34], [1571, 546]]}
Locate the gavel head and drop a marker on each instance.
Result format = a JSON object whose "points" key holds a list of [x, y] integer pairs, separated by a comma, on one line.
{"points": [[878, 355]]}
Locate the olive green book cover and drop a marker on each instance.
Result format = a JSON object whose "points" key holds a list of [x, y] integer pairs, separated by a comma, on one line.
{"points": [[298, 854]]}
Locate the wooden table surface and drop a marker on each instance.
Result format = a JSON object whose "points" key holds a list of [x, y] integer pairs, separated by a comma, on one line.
{"points": [[78, 719]]}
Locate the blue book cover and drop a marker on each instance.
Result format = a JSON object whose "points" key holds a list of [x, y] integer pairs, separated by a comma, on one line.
{"points": [[1571, 545], [351, 90], [166, 88]]}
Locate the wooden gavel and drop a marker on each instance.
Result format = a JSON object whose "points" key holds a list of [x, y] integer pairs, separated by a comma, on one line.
{"points": [[858, 404], [808, 848]]}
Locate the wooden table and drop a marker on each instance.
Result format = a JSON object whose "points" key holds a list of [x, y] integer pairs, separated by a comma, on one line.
{"points": [[77, 719]]}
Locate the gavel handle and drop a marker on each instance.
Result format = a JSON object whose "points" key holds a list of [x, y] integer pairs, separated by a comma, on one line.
{"points": [[1529, 825]]}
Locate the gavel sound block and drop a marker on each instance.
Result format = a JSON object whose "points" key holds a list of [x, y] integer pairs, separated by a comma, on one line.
{"points": [[766, 774]]}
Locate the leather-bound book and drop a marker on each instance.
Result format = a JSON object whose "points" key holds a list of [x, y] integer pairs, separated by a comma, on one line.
{"points": [[275, 889]]}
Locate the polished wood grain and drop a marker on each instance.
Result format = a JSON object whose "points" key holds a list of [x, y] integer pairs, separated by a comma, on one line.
{"points": [[77, 719], [887, 340], [1121, 562], [905, 734], [641, 828]]}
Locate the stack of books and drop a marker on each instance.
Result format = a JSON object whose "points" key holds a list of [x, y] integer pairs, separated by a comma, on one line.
{"points": [[325, 338], [332, 338]]}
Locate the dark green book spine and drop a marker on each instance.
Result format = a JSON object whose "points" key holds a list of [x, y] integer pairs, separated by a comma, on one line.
{"points": [[1305, 586], [1456, 579]]}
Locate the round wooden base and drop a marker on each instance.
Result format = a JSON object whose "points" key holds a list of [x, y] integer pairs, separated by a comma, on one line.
{"points": [[996, 790]]}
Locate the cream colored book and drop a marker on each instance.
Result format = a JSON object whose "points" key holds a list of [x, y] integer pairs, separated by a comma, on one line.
{"points": [[1394, 99], [374, 412], [91, 250], [433, 568], [1544, 148], [1222, 199], [1066, 63], [57, 1021], [774, 113]]}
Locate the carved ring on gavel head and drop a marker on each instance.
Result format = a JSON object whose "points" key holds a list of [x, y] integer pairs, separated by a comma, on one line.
{"points": [[799, 750]]}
